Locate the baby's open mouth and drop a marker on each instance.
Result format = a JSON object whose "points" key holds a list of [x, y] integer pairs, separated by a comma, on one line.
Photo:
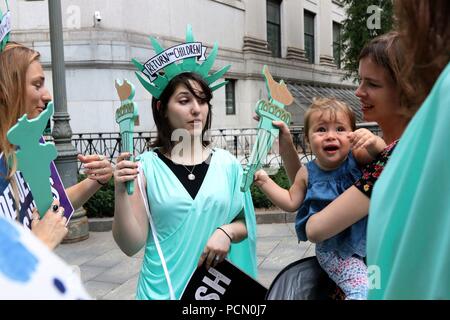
{"points": [[331, 148]]}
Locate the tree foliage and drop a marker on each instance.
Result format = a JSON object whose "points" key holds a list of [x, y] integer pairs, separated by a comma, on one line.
{"points": [[362, 24]]}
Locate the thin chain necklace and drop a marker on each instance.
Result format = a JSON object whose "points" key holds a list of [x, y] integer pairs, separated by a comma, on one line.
{"points": [[191, 176]]}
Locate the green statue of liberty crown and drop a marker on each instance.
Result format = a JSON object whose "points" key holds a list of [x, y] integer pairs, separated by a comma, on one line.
{"points": [[5, 27], [163, 67]]}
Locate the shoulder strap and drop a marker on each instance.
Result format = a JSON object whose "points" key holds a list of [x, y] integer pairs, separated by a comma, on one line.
{"points": [[154, 233]]}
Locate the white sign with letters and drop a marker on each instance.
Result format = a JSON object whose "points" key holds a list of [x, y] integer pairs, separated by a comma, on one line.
{"points": [[5, 25], [171, 55]]}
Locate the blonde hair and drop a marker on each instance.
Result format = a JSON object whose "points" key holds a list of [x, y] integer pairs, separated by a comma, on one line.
{"points": [[333, 106], [14, 62]]}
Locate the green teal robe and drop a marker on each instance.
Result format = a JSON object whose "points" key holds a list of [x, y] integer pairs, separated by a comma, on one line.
{"points": [[409, 219], [184, 225]]}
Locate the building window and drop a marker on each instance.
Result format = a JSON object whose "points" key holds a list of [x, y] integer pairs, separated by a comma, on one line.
{"points": [[337, 44], [309, 36], [274, 27], [230, 97]]}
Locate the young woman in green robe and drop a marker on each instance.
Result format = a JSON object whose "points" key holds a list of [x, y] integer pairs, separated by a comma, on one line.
{"points": [[197, 213]]}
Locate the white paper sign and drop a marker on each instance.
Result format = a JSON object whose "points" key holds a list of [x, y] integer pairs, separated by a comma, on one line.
{"points": [[5, 25], [171, 55]]}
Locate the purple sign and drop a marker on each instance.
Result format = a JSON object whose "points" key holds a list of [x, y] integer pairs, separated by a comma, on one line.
{"points": [[24, 196], [59, 192]]}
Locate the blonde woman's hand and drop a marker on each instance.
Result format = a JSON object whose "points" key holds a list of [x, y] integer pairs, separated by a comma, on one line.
{"points": [[97, 167], [51, 229]]}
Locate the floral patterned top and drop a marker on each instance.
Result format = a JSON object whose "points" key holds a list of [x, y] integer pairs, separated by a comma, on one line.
{"points": [[373, 170]]}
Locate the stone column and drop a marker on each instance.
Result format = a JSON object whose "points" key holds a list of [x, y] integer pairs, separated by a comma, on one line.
{"points": [[325, 34], [255, 38], [62, 133], [293, 28]]}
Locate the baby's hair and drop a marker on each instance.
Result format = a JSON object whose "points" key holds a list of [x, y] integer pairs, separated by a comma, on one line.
{"points": [[329, 104]]}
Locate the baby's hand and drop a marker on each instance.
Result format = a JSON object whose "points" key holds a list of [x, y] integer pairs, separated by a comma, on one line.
{"points": [[362, 138], [261, 177]]}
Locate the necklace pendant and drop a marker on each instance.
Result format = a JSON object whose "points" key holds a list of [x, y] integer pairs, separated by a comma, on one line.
{"points": [[191, 177]]}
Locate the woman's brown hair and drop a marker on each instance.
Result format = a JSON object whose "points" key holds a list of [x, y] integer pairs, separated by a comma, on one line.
{"points": [[386, 51], [424, 26], [164, 136]]}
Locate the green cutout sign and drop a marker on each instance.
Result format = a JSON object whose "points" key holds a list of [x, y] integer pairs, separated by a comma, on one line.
{"points": [[127, 117], [33, 157], [268, 111]]}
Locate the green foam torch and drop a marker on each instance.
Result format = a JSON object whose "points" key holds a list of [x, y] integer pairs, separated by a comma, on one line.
{"points": [[34, 158], [268, 111], [127, 117]]}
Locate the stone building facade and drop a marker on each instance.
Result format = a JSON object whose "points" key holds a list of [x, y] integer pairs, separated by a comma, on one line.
{"points": [[295, 38]]}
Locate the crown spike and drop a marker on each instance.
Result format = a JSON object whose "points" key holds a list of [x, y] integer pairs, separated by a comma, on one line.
{"points": [[216, 76], [189, 34], [206, 66], [153, 90], [189, 64], [161, 82], [217, 86], [141, 67], [156, 46], [137, 64], [170, 68]]}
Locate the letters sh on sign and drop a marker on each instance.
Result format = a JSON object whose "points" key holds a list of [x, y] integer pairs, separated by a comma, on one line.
{"points": [[225, 282]]}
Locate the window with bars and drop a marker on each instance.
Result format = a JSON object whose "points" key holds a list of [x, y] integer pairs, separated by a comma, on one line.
{"points": [[309, 36], [230, 97], [274, 27], [337, 44]]}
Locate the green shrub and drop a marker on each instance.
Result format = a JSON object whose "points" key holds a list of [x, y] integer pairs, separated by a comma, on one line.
{"points": [[101, 204], [259, 198]]}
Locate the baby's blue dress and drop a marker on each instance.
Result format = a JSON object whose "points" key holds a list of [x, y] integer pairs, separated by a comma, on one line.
{"points": [[323, 187]]}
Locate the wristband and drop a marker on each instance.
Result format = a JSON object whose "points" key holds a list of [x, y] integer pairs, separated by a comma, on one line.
{"points": [[231, 240], [102, 184]]}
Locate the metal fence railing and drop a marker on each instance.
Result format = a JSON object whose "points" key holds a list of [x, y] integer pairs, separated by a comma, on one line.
{"points": [[239, 142]]}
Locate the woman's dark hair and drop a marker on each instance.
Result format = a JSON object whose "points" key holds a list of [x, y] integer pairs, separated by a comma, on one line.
{"points": [[163, 139]]}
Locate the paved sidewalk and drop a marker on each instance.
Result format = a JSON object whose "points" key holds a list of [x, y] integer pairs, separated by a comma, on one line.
{"points": [[109, 274]]}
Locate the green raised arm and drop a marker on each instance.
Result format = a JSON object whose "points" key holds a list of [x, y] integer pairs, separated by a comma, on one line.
{"points": [[268, 111], [127, 117], [33, 157]]}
